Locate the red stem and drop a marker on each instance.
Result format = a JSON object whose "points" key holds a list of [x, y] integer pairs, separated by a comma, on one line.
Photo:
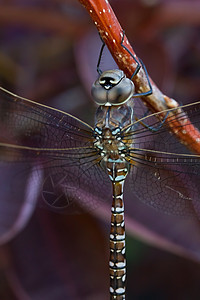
{"points": [[110, 30]]}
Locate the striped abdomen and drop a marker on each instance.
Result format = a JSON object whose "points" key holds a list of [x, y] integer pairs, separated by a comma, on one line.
{"points": [[117, 261]]}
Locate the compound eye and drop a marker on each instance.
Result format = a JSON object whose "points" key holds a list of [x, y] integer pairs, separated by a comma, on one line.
{"points": [[121, 92]]}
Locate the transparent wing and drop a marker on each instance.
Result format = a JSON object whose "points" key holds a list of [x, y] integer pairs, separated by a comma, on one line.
{"points": [[29, 124], [164, 173], [34, 135]]}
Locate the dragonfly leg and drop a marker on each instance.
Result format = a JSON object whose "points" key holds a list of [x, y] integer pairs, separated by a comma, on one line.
{"points": [[140, 64], [151, 128], [100, 56]]}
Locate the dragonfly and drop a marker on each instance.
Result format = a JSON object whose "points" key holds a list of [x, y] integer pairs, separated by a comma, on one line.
{"points": [[84, 166]]}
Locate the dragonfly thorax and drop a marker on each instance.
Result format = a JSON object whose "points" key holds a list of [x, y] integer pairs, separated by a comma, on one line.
{"points": [[110, 145], [113, 152], [112, 88]]}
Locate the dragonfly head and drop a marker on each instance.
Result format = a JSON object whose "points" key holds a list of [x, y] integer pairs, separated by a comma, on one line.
{"points": [[112, 88]]}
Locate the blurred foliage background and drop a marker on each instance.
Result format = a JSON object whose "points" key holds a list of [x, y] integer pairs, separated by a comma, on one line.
{"points": [[48, 53]]}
